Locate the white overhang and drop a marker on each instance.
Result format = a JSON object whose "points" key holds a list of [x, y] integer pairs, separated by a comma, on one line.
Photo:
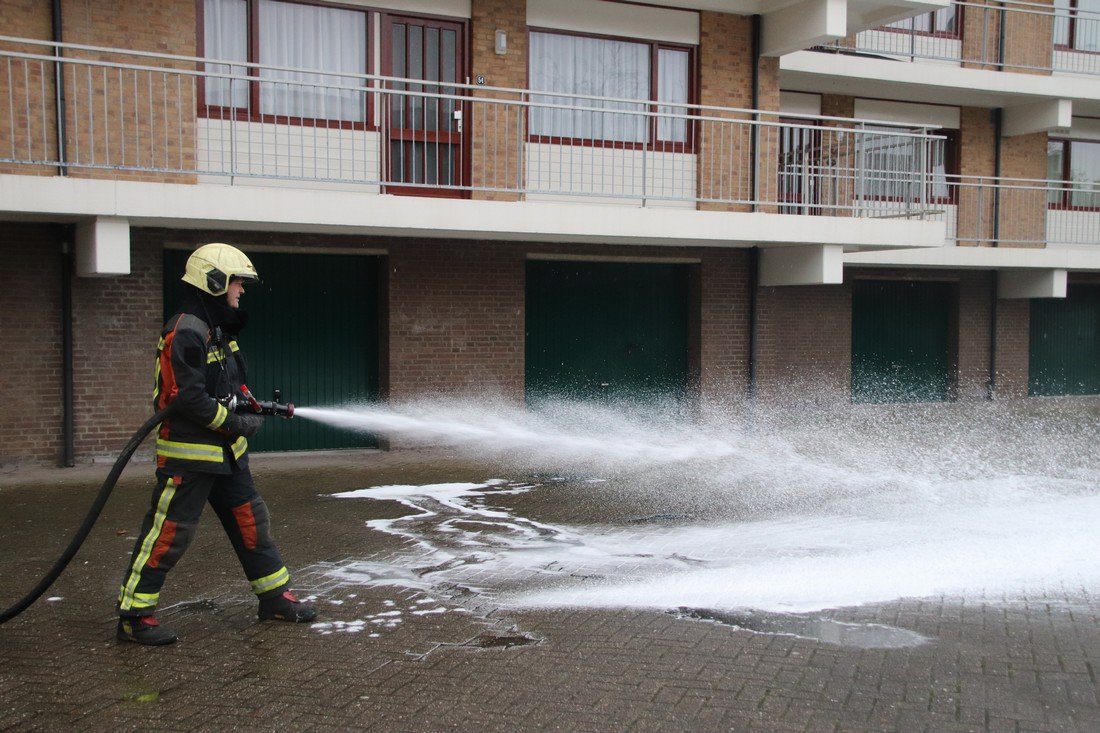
{"points": [[1073, 259], [803, 265], [932, 83], [1032, 284], [257, 208], [804, 24], [103, 246]]}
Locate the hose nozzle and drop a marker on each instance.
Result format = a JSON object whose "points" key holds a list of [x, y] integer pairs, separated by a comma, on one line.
{"points": [[274, 407]]}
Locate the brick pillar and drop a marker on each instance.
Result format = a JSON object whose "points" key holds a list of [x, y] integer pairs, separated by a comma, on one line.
{"points": [[456, 318], [724, 328], [973, 336], [1013, 338], [981, 31], [977, 143], [498, 132], [1023, 210], [804, 343], [725, 80], [1029, 40]]}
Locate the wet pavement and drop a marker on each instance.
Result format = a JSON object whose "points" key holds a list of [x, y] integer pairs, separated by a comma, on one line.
{"points": [[420, 628]]}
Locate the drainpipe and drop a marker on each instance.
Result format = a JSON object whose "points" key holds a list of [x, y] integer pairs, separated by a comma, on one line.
{"points": [[754, 253], [1001, 38], [59, 88], [754, 268], [754, 139], [998, 123], [67, 423]]}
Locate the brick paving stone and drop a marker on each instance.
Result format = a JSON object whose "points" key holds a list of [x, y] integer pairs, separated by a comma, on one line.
{"points": [[991, 664]]}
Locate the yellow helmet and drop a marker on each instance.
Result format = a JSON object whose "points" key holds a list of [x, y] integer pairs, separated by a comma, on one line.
{"points": [[210, 266]]}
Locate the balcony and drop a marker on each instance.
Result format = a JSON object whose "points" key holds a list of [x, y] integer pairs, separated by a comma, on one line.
{"points": [[362, 153], [1011, 36]]}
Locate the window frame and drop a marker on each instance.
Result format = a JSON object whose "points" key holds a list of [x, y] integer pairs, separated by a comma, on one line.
{"points": [[955, 35], [1071, 17], [1065, 202], [252, 112], [651, 143]]}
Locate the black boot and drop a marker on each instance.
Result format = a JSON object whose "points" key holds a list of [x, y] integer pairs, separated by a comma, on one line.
{"points": [[144, 630], [286, 607]]}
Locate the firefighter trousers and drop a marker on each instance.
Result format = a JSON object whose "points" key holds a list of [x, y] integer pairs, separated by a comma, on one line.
{"points": [[169, 526]]}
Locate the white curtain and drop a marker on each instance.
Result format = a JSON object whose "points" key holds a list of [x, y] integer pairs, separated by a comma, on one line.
{"points": [[225, 37], [672, 86], [592, 66], [312, 37]]}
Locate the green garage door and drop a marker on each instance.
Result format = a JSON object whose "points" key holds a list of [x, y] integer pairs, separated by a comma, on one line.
{"points": [[1065, 343], [900, 341], [312, 332], [606, 331]]}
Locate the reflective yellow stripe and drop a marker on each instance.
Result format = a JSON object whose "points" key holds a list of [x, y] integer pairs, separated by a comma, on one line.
{"points": [[128, 599], [143, 600], [271, 582], [219, 418], [240, 445], [233, 347], [189, 451]]}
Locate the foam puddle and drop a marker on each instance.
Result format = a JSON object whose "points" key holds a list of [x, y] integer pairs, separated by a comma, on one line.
{"points": [[762, 531]]}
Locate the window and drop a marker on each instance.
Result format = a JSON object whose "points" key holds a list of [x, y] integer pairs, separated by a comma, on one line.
{"points": [[1077, 25], [939, 23], [289, 35], [800, 166], [1075, 164], [611, 68], [892, 165]]}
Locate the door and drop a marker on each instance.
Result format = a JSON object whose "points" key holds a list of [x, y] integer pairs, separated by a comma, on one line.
{"points": [[799, 168], [312, 332], [606, 331], [901, 341], [1064, 350], [426, 154]]}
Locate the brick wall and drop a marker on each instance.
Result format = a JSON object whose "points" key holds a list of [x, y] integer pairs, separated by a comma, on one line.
{"points": [[724, 327], [1028, 39], [116, 321], [1013, 339], [1022, 211], [974, 291], [29, 82], [498, 132], [30, 360], [977, 157], [455, 318], [804, 337], [149, 121], [725, 80]]}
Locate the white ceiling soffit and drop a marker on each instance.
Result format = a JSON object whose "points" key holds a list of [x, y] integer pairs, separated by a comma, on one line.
{"points": [[866, 14]]}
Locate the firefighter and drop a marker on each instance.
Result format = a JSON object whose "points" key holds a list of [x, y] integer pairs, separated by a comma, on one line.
{"points": [[202, 452]]}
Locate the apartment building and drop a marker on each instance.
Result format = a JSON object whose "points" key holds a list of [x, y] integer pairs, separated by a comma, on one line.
{"points": [[854, 200]]}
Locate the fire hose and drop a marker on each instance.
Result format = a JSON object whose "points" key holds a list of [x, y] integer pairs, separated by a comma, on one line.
{"points": [[249, 405]]}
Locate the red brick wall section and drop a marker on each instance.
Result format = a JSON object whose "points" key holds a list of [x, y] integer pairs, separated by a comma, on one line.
{"points": [[30, 360], [804, 343], [974, 311], [1013, 337], [456, 318], [724, 332], [498, 131], [116, 322]]}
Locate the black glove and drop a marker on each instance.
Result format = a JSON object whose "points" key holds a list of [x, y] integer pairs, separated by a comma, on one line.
{"points": [[246, 425]]}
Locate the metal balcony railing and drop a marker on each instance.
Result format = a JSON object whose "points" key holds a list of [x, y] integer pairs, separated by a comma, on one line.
{"points": [[1019, 212], [1016, 36], [144, 116]]}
